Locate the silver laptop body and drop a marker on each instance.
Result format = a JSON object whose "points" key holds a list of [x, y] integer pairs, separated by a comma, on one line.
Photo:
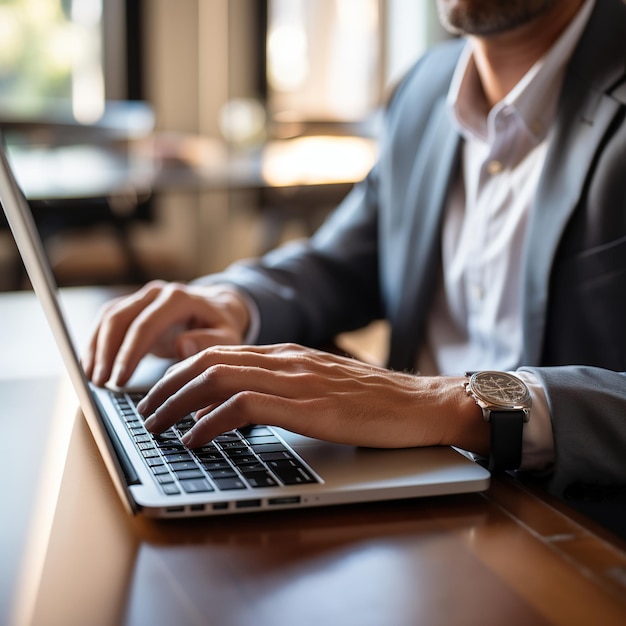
{"points": [[288, 470]]}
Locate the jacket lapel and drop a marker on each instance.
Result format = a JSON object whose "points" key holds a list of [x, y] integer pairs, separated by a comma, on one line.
{"points": [[585, 112], [421, 244]]}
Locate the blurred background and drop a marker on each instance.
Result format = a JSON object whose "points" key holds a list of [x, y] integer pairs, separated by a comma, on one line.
{"points": [[167, 138]]}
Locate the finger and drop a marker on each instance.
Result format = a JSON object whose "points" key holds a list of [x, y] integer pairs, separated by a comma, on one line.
{"points": [[296, 370], [159, 321], [218, 384], [251, 408], [174, 379], [152, 324], [191, 342], [198, 415], [261, 357], [111, 328], [88, 357], [213, 386], [274, 356], [159, 325]]}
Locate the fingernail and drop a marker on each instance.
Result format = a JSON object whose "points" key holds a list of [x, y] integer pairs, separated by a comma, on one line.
{"points": [[188, 438], [150, 423]]}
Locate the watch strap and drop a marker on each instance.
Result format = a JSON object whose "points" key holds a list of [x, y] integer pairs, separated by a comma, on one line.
{"points": [[506, 440]]}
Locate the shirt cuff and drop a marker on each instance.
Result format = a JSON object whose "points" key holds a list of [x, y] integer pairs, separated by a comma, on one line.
{"points": [[537, 438]]}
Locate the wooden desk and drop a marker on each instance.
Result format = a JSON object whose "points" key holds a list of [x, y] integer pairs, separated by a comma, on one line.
{"points": [[503, 557]]}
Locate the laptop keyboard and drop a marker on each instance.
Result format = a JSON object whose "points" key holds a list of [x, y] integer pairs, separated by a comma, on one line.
{"points": [[248, 458]]}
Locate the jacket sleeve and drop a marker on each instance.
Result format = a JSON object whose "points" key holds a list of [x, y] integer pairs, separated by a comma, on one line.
{"points": [[310, 290], [588, 409]]}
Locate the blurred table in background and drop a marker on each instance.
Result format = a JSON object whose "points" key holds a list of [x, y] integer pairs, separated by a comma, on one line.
{"points": [[75, 177]]}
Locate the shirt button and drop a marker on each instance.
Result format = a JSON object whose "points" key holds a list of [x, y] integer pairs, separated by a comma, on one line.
{"points": [[494, 167]]}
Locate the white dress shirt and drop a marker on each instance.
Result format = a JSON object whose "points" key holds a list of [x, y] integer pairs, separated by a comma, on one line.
{"points": [[475, 322]]}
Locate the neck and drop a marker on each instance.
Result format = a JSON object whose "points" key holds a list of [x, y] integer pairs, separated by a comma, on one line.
{"points": [[503, 59]]}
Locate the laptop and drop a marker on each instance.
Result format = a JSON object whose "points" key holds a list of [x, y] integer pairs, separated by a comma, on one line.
{"points": [[261, 468]]}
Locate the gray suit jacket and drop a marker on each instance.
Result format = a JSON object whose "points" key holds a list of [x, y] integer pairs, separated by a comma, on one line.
{"points": [[378, 255]]}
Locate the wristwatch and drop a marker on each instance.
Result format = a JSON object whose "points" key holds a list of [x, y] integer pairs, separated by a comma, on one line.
{"points": [[505, 402]]}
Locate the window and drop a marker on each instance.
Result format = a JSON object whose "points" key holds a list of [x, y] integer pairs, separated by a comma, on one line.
{"points": [[323, 58], [67, 57], [334, 60], [51, 55]]}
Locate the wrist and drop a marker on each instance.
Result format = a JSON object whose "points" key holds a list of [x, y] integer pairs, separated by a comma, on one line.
{"points": [[465, 425], [238, 309], [451, 417], [234, 306]]}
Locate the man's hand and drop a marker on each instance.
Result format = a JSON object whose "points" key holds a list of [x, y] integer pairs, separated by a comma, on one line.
{"points": [[316, 394], [168, 319]]}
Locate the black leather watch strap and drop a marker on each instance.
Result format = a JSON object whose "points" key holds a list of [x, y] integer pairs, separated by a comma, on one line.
{"points": [[506, 440]]}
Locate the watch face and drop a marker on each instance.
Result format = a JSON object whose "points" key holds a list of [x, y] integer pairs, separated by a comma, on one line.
{"points": [[500, 388]]}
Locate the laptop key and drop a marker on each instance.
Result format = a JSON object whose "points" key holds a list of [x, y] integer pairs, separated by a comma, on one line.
{"points": [[167, 437], [210, 466], [244, 458], [255, 431], [206, 448], [181, 466], [257, 440], [227, 484], [189, 474], [184, 425], [209, 456], [172, 446], [222, 473], [160, 469], [196, 485], [177, 456], [170, 489], [260, 479], [261, 448], [291, 473], [228, 436], [236, 444], [253, 466], [149, 453], [275, 456]]}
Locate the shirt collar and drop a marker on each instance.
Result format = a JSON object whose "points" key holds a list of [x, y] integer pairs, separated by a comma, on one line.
{"points": [[533, 99]]}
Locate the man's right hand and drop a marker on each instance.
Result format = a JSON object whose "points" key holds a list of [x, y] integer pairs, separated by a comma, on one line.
{"points": [[170, 320]]}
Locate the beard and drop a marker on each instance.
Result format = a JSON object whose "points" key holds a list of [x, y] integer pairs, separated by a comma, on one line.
{"points": [[489, 17]]}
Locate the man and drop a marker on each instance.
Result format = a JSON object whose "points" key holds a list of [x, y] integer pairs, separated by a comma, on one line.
{"points": [[491, 234]]}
